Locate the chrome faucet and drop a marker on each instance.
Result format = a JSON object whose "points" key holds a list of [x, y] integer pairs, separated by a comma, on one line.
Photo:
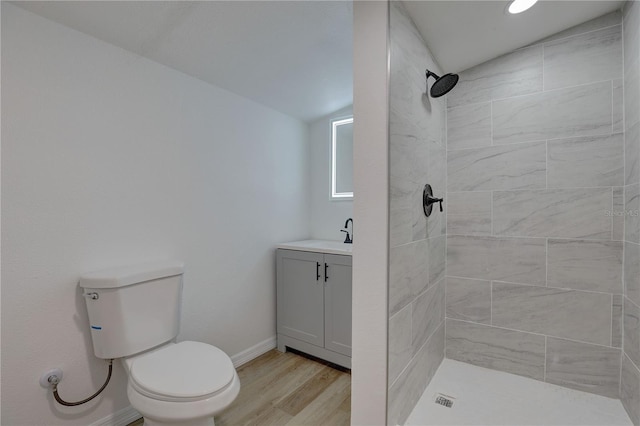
{"points": [[348, 239]]}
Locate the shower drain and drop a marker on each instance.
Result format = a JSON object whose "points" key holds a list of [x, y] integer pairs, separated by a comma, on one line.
{"points": [[444, 400]]}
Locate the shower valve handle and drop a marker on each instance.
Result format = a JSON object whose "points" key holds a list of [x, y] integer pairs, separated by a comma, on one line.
{"points": [[433, 200], [428, 200]]}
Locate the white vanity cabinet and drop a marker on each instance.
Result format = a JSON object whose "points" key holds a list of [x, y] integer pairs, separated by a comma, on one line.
{"points": [[314, 302]]}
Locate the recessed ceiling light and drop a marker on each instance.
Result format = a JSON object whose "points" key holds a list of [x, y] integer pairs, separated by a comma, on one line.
{"points": [[517, 6]]}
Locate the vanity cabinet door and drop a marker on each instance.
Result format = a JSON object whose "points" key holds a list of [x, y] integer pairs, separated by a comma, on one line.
{"points": [[300, 295], [337, 304]]}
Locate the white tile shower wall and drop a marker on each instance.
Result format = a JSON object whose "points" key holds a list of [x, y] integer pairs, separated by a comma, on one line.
{"points": [[417, 244], [630, 383], [535, 168]]}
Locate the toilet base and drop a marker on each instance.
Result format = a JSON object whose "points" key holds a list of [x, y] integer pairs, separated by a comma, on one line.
{"points": [[206, 421]]}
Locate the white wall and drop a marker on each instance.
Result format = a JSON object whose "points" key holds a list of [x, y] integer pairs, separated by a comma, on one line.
{"points": [[110, 159], [327, 216], [371, 212]]}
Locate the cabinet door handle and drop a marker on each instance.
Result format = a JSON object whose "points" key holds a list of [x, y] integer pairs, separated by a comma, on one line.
{"points": [[317, 271], [325, 272]]}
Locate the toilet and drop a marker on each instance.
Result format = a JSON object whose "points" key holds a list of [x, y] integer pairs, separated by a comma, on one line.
{"points": [[134, 315]]}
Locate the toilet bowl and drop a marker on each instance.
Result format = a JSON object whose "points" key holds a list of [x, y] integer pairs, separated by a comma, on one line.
{"points": [[134, 315], [185, 383]]}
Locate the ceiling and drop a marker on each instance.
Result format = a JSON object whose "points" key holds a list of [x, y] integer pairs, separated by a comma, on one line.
{"points": [[295, 57], [461, 34]]}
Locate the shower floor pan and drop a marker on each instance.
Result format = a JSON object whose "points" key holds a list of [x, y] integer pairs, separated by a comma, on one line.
{"points": [[480, 396]]}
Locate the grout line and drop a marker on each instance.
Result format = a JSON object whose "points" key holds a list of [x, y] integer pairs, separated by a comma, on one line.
{"points": [[598, 135], [410, 242], [539, 286], [550, 90], [566, 188], [533, 333], [637, 367], [624, 176], [491, 303], [612, 91], [624, 282], [624, 207], [611, 328], [620, 377], [444, 348], [410, 326], [626, 355], [630, 301], [469, 104], [429, 288], [545, 360], [445, 296], [612, 209], [574, 35], [492, 217], [542, 188], [470, 279], [541, 44], [415, 355], [395, 314], [501, 145], [542, 67], [557, 288], [502, 236], [472, 191], [546, 263], [546, 164], [624, 118], [446, 225], [491, 118]]}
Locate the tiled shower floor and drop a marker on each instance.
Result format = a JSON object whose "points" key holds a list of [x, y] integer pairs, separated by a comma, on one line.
{"points": [[488, 397]]}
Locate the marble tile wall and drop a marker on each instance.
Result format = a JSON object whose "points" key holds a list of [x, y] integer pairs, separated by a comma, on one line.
{"points": [[537, 181], [630, 382], [417, 249]]}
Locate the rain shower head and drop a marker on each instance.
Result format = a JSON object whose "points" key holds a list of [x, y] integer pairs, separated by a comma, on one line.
{"points": [[443, 84]]}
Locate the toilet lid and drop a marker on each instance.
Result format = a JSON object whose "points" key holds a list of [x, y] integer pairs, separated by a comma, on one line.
{"points": [[183, 370]]}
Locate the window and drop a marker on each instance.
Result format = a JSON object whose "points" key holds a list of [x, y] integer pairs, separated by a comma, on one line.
{"points": [[342, 158]]}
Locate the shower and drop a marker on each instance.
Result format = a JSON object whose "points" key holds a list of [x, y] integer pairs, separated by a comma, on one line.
{"points": [[443, 84], [493, 283]]}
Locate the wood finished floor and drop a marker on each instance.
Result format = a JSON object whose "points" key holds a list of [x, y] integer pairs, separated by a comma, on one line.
{"points": [[288, 389]]}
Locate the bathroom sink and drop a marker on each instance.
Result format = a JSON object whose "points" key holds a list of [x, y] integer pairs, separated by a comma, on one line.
{"points": [[319, 246]]}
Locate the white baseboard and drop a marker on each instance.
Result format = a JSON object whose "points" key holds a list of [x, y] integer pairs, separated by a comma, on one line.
{"points": [[119, 418], [253, 352]]}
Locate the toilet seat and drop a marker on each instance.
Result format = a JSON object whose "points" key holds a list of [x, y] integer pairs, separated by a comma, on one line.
{"points": [[186, 371]]}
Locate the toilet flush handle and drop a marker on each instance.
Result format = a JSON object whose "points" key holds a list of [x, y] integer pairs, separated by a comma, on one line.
{"points": [[92, 296]]}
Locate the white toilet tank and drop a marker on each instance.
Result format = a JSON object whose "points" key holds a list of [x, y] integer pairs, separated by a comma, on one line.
{"points": [[134, 308]]}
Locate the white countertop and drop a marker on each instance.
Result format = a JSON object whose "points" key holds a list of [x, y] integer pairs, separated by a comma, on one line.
{"points": [[319, 246]]}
